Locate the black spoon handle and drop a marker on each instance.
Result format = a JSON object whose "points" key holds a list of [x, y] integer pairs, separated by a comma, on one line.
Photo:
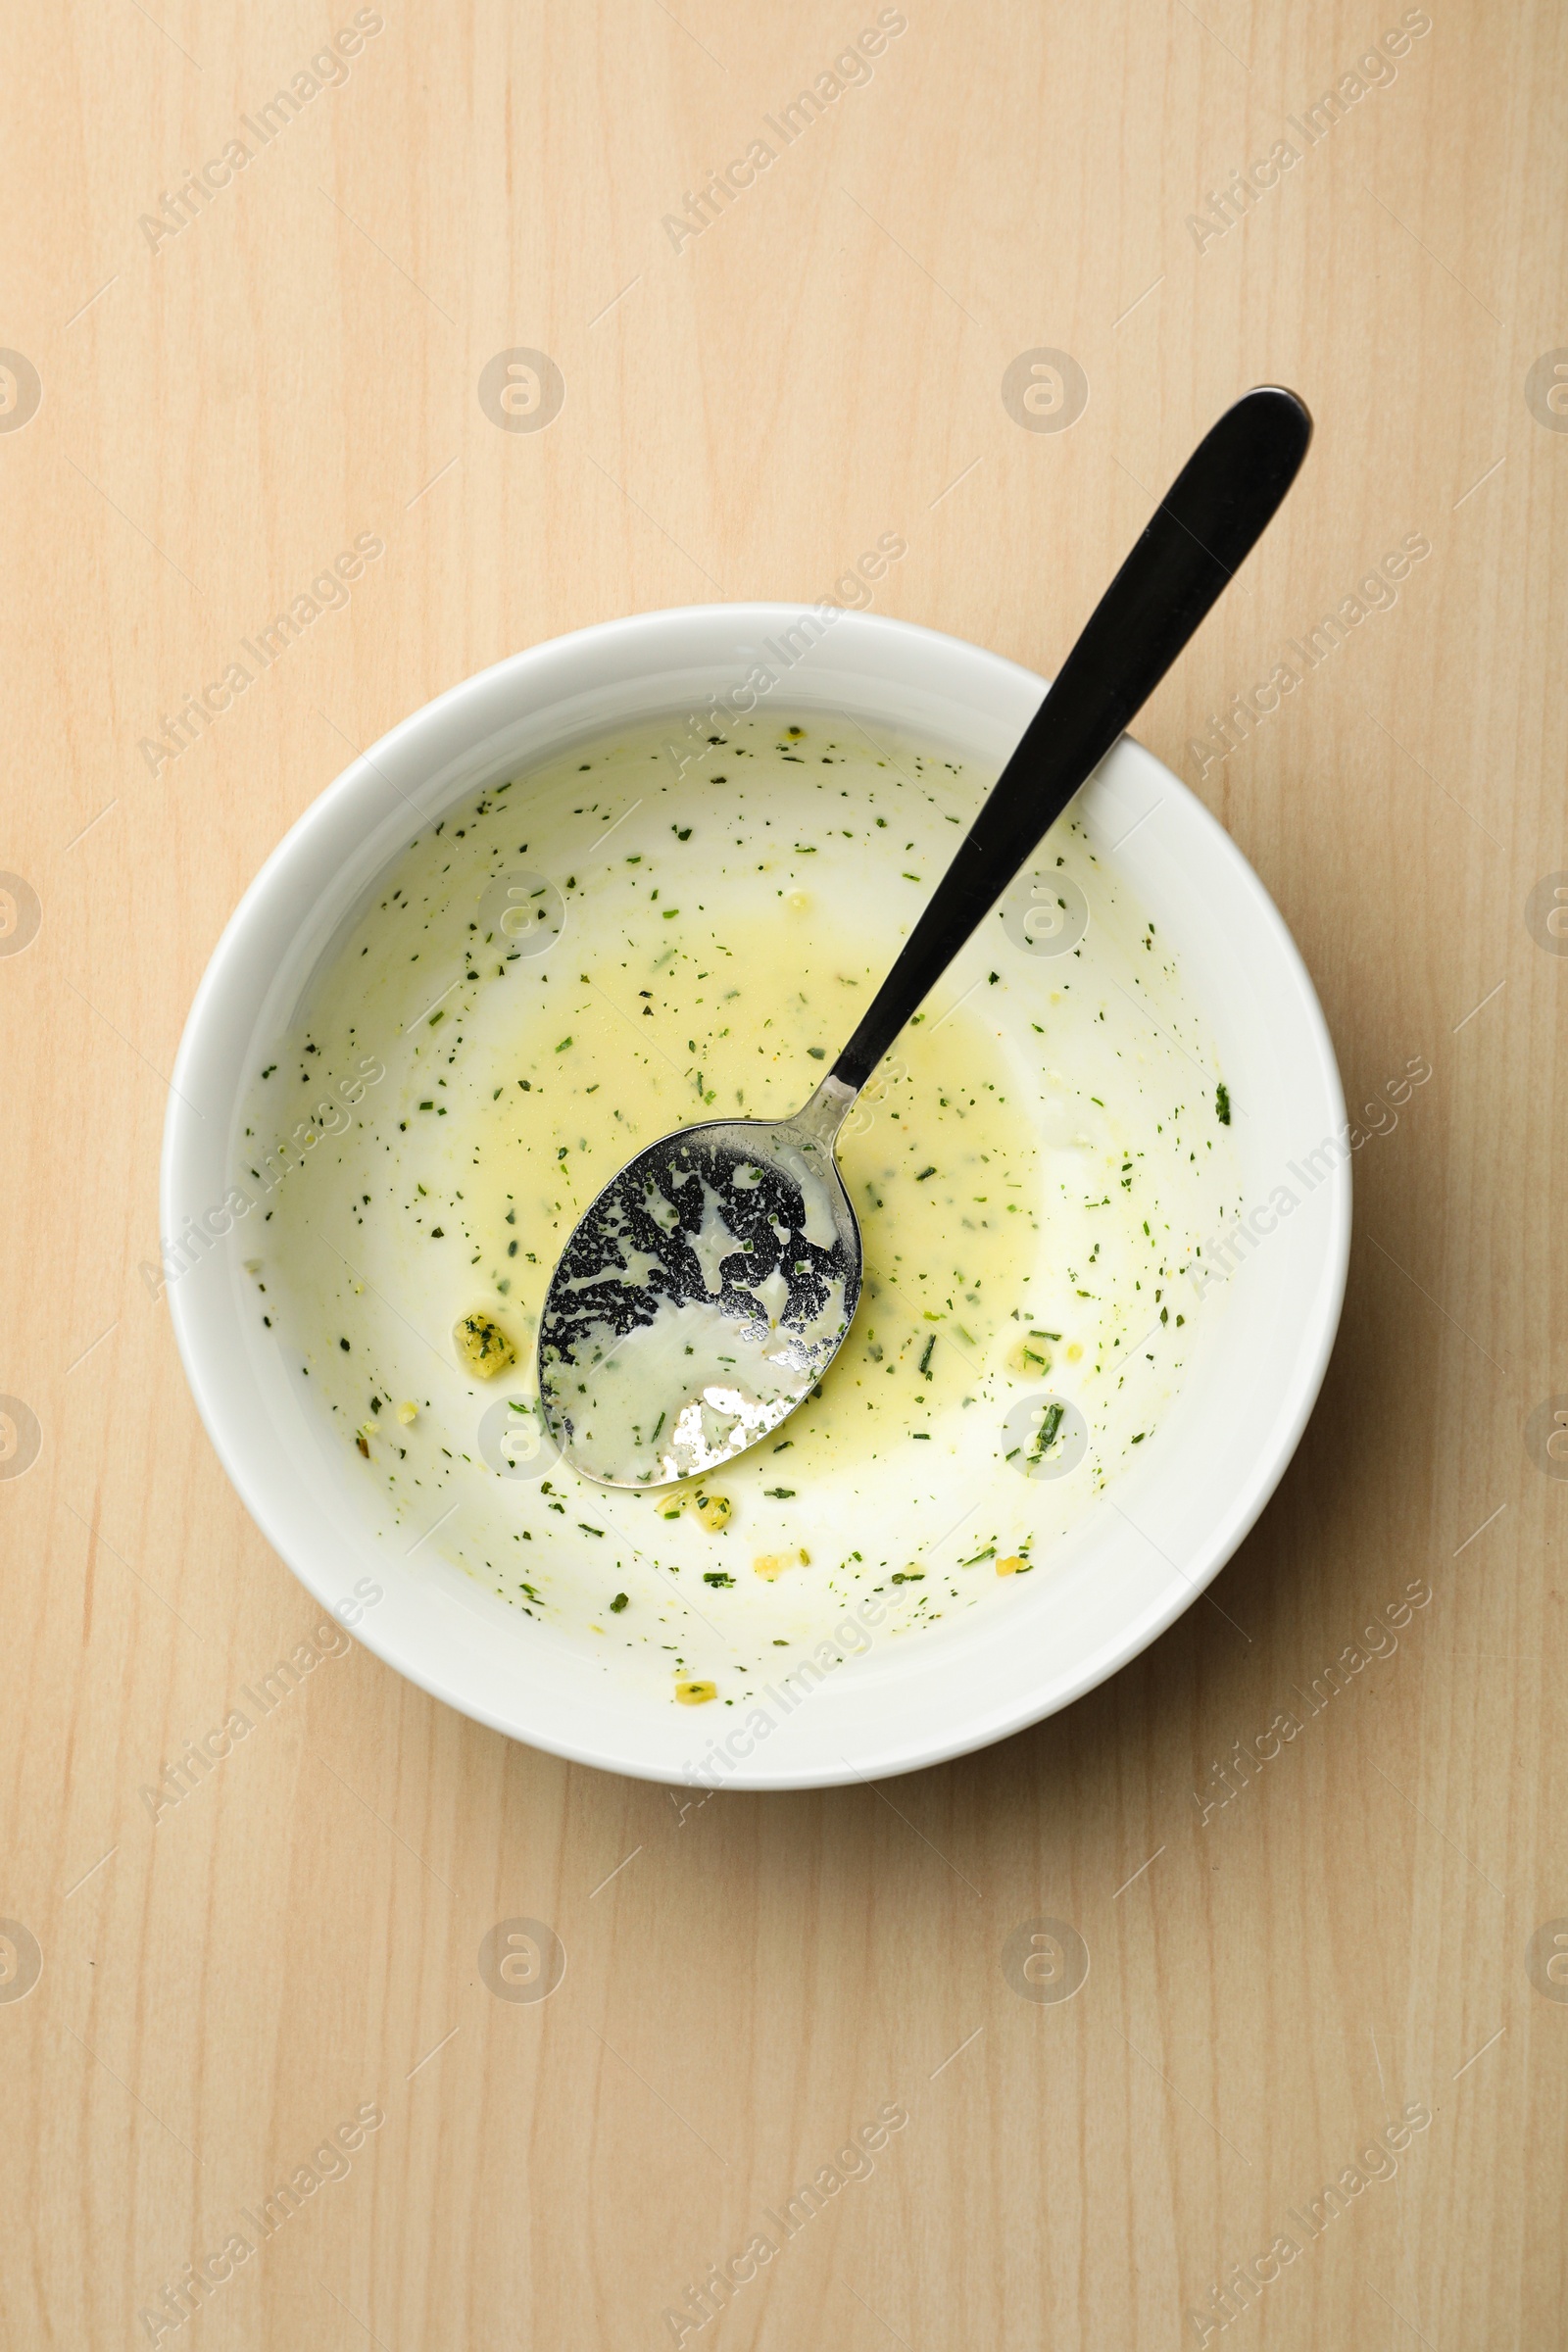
{"points": [[1208, 521]]}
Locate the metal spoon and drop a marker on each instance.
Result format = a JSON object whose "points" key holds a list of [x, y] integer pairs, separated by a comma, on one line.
{"points": [[706, 1289]]}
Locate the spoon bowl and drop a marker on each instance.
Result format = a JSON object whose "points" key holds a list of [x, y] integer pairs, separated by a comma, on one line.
{"points": [[702, 1297]]}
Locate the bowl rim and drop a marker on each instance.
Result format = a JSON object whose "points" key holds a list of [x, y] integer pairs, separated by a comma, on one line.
{"points": [[978, 1727]]}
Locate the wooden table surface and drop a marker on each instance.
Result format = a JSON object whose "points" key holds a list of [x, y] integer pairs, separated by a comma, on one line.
{"points": [[984, 289]]}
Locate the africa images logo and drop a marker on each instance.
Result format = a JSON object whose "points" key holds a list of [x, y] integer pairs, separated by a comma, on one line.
{"points": [[850, 69]]}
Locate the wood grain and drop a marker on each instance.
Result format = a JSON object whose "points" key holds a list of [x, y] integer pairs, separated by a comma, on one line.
{"points": [[222, 408]]}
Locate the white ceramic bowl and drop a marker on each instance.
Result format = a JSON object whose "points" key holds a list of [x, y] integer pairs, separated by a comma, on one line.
{"points": [[1166, 1526]]}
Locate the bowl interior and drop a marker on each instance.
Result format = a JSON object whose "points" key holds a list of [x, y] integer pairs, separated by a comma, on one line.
{"points": [[1165, 1526]]}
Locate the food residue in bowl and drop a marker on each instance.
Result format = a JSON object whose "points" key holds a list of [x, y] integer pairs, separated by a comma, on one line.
{"points": [[576, 961]]}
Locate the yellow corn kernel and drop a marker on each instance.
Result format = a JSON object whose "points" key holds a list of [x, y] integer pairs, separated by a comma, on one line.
{"points": [[408, 1413], [1011, 1567], [692, 1693], [713, 1512]]}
